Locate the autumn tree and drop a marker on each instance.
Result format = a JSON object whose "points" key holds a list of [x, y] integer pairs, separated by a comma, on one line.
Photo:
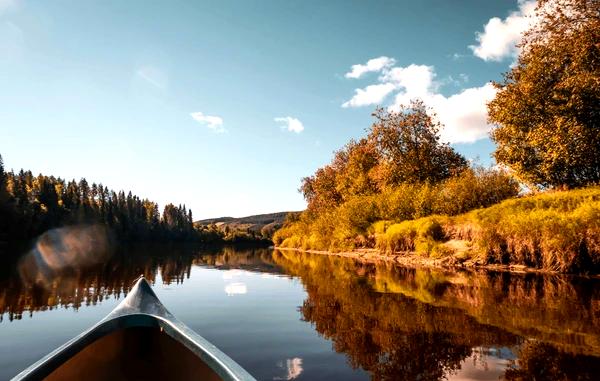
{"points": [[401, 147], [356, 163], [348, 175], [320, 190], [409, 146], [547, 109]]}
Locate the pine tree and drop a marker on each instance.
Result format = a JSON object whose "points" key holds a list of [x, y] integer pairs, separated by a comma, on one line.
{"points": [[3, 178], [30, 205]]}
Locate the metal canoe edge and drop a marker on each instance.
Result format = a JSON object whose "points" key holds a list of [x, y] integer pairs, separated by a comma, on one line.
{"points": [[141, 308]]}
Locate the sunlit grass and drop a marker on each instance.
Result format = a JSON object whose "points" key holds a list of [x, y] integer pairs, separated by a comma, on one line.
{"points": [[555, 231]]}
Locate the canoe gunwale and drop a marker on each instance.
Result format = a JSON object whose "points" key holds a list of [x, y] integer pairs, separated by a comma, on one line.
{"points": [[141, 308]]}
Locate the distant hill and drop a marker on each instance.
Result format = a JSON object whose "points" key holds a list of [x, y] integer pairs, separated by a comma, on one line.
{"points": [[263, 219], [260, 223]]}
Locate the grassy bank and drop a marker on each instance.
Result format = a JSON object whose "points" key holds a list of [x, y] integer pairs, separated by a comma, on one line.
{"points": [[554, 231]]}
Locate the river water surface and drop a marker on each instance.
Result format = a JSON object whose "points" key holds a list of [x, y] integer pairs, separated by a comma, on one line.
{"points": [[293, 316]]}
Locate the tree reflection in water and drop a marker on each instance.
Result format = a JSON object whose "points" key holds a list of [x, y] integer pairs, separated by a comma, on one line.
{"points": [[30, 288], [396, 323], [401, 323]]}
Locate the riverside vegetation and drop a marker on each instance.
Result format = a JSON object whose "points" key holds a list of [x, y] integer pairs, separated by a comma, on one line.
{"points": [[400, 189]]}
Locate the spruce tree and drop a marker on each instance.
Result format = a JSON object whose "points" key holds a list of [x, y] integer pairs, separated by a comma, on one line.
{"points": [[3, 191]]}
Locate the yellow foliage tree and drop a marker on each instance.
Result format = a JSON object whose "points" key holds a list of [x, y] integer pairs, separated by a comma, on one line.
{"points": [[548, 106]]}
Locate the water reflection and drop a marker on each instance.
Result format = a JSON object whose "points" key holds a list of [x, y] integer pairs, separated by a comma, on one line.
{"points": [[293, 368], [396, 323], [71, 287], [237, 288], [401, 323]]}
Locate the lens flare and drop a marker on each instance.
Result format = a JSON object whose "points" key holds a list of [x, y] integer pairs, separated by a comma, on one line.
{"points": [[66, 248]]}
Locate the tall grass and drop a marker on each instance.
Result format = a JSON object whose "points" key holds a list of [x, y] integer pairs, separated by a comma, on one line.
{"points": [[554, 231], [422, 236], [558, 231], [348, 226]]}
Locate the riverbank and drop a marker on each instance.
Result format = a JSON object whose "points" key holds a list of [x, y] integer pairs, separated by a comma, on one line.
{"points": [[552, 232], [414, 260]]}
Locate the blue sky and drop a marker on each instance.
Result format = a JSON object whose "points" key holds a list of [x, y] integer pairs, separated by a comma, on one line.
{"points": [[226, 105]]}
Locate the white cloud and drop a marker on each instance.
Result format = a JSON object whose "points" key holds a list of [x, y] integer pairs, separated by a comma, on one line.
{"points": [[215, 123], [370, 95], [373, 65], [154, 76], [415, 81], [499, 37], [290, 124], [464, 114]]}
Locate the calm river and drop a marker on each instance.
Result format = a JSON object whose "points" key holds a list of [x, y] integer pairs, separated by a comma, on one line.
{"points": [[291, 316]]}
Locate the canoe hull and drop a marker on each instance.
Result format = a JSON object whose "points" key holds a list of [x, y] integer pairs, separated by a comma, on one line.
{"points": [[143, 353], [140, 312]]}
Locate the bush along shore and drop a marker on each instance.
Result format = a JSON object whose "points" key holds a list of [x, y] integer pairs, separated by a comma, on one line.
{"points": [[557, 231]]}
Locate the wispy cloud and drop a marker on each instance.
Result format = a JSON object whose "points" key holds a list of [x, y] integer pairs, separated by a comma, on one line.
{"points": [[372, 94], [456, 56], [372, 65], [456, 81], [463, 114], [153, 76], [215, 123], [500, 37], [290, 124]]}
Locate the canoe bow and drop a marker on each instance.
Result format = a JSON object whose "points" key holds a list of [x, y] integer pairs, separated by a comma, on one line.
{"points": [[141, 308]]}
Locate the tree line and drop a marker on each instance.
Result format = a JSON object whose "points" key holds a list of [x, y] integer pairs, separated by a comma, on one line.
{"points": [[30, 205]]}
